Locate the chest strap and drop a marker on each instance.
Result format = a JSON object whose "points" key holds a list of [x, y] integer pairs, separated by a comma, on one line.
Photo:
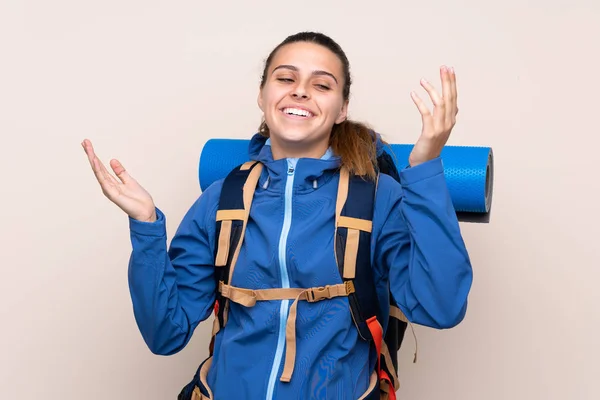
{"points": [[249, 297]]}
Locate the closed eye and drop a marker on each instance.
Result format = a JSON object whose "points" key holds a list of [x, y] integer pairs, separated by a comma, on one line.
{"points": [[285, 79], [324, 87]]}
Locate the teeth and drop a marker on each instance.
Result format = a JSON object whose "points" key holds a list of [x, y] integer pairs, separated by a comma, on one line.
{"points": [[296, 111]]}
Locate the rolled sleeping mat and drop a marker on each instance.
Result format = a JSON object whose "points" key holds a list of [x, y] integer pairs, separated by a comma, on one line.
{"points": [[469, 172]]}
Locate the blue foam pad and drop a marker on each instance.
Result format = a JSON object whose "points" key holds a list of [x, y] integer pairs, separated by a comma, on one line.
{"points": [[469, 171]]}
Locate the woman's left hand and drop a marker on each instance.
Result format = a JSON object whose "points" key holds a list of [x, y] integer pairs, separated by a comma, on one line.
{"points": [[438, 124]]}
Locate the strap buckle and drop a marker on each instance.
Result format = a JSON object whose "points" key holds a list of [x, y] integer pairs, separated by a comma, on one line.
{"points": [[318, 294]]}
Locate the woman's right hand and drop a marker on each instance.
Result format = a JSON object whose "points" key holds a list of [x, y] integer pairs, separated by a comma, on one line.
{"points": [[125, 192]]}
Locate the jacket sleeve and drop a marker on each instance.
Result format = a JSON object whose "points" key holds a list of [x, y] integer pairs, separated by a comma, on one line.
{"points": [[173, 289], [421, 248]]}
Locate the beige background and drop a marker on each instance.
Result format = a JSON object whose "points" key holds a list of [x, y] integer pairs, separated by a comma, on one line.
{"points": [[150, 81]]}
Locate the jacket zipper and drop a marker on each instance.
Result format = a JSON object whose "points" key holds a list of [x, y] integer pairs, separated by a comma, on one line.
{"points": [[285, 280]]}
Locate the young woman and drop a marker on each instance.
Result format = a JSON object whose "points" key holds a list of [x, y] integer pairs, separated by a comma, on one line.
{"points": [[303, 144]]}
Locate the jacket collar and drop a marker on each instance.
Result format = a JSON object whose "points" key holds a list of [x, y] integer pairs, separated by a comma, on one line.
{"points": [[310, 173]]}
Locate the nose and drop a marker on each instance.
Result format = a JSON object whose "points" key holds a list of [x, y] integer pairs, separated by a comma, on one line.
{"points": [[300, 92]]}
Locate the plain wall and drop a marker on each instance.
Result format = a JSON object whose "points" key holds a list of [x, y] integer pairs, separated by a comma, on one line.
{"points": [[150, 81]]}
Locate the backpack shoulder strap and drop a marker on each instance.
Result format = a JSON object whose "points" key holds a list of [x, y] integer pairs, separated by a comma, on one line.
{"points": [[354, 213], [231, 219]]}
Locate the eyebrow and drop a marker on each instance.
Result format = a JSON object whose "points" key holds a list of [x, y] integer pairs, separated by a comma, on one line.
{"points": [[317, 72]]}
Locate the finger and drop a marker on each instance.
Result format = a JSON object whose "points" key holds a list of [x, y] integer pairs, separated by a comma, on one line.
{"points": [[454, 92], [446, 84], [93, 160], [421, 106], [120, 171], [106, 179], [446, 81], [450, 97], [445, 75], [436, 98], [102, 174], [89, 151]]}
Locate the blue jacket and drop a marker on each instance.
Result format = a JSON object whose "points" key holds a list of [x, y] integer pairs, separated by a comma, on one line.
{"points": [[417, 247]]}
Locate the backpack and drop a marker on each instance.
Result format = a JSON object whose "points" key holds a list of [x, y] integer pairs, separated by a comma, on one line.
{"points": [[354, 212]]}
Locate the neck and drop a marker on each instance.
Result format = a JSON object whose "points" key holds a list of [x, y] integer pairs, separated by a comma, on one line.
{"points": [[281, 149]]}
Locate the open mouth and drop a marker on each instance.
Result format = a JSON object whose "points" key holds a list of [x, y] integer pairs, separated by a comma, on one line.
{"points": [[297, 112]]}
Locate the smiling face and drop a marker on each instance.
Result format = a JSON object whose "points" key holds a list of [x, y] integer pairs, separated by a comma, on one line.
{"points": [[302, 98]]}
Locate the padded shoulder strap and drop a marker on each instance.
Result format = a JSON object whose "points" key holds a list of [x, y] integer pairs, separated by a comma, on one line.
{"points": [[232, 216], [354, 213]]}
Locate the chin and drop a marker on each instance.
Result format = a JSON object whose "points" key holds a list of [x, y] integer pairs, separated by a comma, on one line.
{"points": [[294, 136], [298, 133]]}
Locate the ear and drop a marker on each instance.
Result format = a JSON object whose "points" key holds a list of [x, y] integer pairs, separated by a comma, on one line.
{"points": [[343, 113], [259, 100]]}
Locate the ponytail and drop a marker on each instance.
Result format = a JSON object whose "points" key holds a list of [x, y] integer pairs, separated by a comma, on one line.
{"points": [[355, 144]]}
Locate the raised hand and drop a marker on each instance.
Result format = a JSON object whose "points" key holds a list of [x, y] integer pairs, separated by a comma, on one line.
{"points": [[438, 124], [125, 192]]}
